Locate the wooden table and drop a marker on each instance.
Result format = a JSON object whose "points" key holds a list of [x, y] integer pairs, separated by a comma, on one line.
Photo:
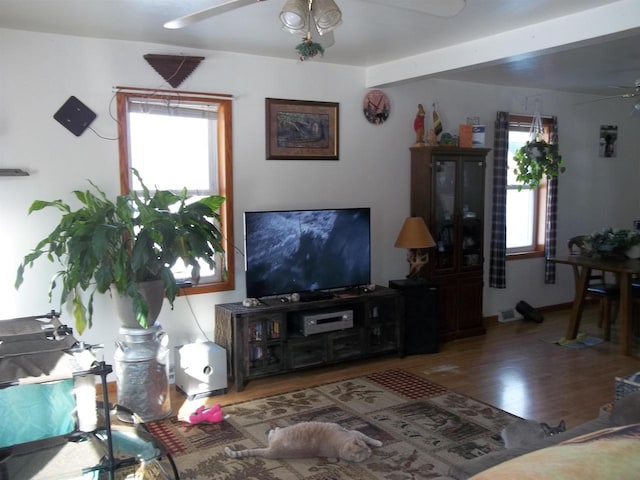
{"points": [[624, 270]]}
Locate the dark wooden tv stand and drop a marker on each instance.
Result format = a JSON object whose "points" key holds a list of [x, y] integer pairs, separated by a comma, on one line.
{"points": [[269, 339]]}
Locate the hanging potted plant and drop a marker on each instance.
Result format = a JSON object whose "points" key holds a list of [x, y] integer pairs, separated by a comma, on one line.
{"points": [[120, 246], [535, 160]]}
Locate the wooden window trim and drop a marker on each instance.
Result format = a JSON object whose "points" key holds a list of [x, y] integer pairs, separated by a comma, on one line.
{"points": [[524, 124], [225, 170]]}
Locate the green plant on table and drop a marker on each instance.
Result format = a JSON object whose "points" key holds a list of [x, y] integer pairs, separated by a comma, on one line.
{"points": [[611, 241]]}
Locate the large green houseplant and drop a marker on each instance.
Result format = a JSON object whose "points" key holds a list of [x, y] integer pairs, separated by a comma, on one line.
{"points": [[118, 245]]}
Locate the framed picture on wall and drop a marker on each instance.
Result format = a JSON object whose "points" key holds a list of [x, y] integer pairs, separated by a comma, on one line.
{"points": [[301, 130], [608, 139]]}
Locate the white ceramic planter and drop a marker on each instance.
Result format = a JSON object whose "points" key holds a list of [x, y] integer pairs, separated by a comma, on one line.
{"points": [[152, 292]]}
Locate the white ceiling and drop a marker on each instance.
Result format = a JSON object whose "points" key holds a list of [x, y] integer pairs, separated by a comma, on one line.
{"points": [[372, 35]]}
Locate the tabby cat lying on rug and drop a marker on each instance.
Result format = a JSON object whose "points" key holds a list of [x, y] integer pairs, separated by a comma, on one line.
{"points": [[312, 439], [523, 432]]}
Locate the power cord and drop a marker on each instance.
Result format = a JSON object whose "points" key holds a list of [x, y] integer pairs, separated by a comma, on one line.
{"points": [[195, 317]]}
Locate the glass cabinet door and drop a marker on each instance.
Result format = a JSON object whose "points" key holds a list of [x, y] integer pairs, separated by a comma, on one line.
{"points": [[264, 338], [444, 213], [472, 205]]}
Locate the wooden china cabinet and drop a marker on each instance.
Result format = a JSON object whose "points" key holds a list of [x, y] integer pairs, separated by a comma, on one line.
{"points": [[447, 190]]}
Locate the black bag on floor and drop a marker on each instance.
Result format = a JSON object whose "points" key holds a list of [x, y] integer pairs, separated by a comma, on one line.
{"points": [[528, 312]]}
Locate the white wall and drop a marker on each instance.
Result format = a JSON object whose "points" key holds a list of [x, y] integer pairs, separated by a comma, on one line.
{"points": [[40, 71]]}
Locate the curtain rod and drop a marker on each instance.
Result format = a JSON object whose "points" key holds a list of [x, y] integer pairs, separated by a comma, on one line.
{"points": [[531, 115], [222, 96]]}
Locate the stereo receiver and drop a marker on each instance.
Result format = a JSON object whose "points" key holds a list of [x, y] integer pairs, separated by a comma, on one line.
{"points": [[309, 323]]}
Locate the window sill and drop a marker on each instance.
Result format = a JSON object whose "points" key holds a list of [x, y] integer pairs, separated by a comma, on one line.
{"points": [[225, 285], [525, 255]]}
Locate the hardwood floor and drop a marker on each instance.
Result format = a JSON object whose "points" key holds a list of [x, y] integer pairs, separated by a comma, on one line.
{"points": [[511, 367]]}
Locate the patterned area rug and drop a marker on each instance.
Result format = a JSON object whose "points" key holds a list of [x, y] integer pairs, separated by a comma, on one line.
{"points": [[424, 427]]}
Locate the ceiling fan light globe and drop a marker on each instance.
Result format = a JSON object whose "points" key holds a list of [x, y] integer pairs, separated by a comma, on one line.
{"points": [[294, 15], [292, 21], [326, 14], [324, 31]]}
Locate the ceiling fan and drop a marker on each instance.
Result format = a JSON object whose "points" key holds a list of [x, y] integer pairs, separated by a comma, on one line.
{"points": [[302, 16], [439, 8], [635, 92]]}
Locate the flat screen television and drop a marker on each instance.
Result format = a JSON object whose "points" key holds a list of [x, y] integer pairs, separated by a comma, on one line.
{"points": [[298, 251]]}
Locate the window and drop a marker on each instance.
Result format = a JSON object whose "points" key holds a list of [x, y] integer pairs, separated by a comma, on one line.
{"points": [[175, 140], [526, 208]]}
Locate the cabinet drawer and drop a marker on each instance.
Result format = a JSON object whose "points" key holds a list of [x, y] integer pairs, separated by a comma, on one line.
{"points": [[381, 311], [265, 358], [343, 345], [307, 352], [382, 338]]}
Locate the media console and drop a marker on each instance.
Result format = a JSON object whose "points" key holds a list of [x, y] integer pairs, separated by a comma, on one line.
{"points": [[275, 338]]}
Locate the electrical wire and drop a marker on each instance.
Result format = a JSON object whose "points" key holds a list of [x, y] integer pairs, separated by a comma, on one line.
{"points": [[101, 136], [195, 317]]}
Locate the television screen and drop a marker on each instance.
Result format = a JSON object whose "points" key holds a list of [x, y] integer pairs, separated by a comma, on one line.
{"points": [[306, 250]]}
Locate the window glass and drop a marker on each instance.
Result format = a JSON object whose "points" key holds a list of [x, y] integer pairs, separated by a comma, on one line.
{"points": [[521, 214], [153, 149], [162, 132], [521, 204]]}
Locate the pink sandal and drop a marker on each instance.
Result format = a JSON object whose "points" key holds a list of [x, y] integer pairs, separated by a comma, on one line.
{"points": [[208, 415]]}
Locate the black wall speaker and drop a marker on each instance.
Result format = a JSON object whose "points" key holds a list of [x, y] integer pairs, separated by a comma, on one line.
{"points": [[75, 116]]}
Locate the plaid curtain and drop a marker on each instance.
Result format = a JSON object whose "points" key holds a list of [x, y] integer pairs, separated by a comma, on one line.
{"points": [[497, 258], [552, 215]]}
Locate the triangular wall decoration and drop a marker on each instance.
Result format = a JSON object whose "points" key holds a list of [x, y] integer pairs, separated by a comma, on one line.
{"points": [[173, 68]]}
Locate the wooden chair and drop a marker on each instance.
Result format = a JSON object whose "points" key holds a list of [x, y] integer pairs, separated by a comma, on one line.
{"points": [[607, 294]]}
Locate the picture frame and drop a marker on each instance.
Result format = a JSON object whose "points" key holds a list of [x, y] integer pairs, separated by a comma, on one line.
{"points": [[608, 140], [301, 130]]}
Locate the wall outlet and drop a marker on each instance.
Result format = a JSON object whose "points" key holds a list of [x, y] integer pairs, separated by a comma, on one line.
{"points": [[509, 315]]}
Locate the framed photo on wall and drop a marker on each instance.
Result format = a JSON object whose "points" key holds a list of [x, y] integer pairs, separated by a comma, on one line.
{"points": [[608, 139], [301, 130]]}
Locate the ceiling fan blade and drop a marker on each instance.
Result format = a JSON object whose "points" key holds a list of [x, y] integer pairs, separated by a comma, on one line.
{"points": [[207, 13], [635, 85], [611, 97], [438, 8]]}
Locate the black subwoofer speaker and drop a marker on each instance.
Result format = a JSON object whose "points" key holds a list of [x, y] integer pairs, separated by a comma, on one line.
{"points": [[421, 315]]}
